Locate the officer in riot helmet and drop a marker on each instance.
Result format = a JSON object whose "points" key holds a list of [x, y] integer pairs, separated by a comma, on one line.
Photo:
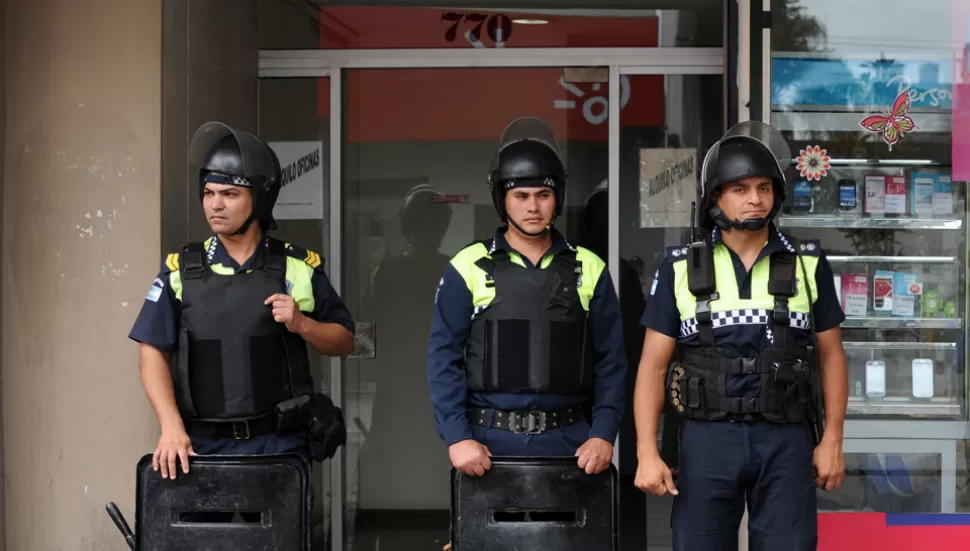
{"points": [[234, 315], [743, 340], [525, 356]]}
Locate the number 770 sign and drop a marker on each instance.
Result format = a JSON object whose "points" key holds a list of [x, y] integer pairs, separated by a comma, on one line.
{"points": [[498, 27]]}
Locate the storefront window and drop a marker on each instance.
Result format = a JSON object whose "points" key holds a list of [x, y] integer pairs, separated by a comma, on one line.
{"points": [[863, 91]]}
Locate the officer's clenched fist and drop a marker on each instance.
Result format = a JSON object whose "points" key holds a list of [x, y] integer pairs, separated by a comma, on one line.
{"points": [[654, 477], [286, 311], [470, 457]]}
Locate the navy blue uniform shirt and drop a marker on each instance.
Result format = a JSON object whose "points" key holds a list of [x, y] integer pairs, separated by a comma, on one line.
{"points": [[451, 326], [158, 322], [742, 341]]}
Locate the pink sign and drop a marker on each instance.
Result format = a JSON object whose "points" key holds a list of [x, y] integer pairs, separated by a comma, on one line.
{"points": [[961, 91]]}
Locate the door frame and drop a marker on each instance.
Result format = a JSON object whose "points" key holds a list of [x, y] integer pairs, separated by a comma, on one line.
{"points": [[332, 63]]}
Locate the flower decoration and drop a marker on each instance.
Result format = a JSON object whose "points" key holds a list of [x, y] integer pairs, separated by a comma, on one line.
{"points": [[813, 162]]}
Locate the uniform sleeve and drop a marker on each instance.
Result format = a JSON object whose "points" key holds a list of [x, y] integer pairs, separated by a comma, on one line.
{"points": [[662, 314], [828, 312], [447, 382], [609, 372], [328, 307], [157, 322]]}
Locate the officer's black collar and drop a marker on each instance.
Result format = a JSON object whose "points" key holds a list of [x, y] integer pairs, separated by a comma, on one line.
{"points": [[216, 253], [559, 242], [777, 241]]}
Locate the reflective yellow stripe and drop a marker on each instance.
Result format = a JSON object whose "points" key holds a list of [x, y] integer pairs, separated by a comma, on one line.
{"points": [[593, 267], [482, 295], [727, 286], [298, 273], [464, 264]]}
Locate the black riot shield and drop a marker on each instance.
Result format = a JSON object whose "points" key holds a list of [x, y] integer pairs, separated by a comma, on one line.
{"points": [[239, 502], [539, 504]]}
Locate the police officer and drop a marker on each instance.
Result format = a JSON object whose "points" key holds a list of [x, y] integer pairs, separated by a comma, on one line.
{"points": [[740, 313], [525, 356], [235, 315]]}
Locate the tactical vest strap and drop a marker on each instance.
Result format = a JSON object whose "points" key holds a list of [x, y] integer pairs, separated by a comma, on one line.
{"points": [[193, 261], [782, 285], [276, 258], [701, 282]]}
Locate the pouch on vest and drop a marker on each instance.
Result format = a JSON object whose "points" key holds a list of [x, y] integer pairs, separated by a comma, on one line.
{"points": [[784, 369]]}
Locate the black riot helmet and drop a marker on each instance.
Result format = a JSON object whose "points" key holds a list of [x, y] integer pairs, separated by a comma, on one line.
{"points": [[749, 149], [425, 215], [528, 156], [221, 154]]}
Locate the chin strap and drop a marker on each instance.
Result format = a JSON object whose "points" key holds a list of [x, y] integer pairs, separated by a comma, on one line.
{"points": [[751, 224], [245, 226]]}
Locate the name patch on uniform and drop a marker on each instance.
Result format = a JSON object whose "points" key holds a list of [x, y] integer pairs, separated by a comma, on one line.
{"points": [[653, 288], [155, 292]]}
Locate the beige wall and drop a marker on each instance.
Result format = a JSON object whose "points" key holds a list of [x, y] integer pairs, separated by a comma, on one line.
{"points": [[80, 248]]}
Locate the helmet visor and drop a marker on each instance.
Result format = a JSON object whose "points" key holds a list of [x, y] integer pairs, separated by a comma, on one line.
{"points": [[257, 160], [529, 128], [757, 131]]}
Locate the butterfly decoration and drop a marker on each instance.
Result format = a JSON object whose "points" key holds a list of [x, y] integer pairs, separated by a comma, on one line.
{"points": [[813, 162], [893, 125]]}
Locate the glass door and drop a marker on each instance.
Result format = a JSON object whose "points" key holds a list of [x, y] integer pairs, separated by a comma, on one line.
{"points": [[417, 148], [299, 133], [659, 166]]}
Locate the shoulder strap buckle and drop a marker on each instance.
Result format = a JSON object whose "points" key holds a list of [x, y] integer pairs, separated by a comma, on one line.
{"points": [[193, 261], [276, 258], [782, 284]]}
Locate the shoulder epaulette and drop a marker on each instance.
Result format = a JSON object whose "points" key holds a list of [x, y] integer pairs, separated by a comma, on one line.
{"points": [[810, 247], [678, 252], [171, 262], [312, 259]]}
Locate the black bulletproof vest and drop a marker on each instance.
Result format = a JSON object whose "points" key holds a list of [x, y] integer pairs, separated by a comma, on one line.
{"points": [[696, 383], [533, 336], [234, 360]]}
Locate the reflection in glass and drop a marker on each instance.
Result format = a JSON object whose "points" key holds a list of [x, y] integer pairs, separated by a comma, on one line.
{"points": [[283, 108], [414, 193], [653, 218]]}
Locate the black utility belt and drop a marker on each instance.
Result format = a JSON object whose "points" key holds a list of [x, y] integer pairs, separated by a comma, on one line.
{"points": [[528, 422], [289, 415], [238, 430]]}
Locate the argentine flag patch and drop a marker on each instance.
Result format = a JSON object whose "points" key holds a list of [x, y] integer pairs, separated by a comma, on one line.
{"points": [[155, 291]]}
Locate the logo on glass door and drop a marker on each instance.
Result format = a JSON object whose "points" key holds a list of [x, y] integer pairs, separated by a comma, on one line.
{"points": [[596, 109]]}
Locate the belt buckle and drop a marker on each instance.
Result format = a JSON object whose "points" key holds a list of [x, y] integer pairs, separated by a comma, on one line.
{"points": [[535, 422], [235, 430]]}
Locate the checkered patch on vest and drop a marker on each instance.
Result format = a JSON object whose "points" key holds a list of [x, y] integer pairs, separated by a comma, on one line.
{"points": [[750, 316]]}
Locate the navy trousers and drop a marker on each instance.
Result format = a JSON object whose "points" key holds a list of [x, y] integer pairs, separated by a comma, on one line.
{"points": [[724, 465], [264, 444]]}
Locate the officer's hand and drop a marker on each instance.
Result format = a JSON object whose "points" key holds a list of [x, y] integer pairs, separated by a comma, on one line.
{"points": [[173, 443], [829, 465], [595, 455], [286, 311], [470, 457], [654, 477]]}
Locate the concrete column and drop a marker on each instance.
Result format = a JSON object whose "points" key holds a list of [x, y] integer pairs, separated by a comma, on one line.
{"points": [[81, 244]]}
